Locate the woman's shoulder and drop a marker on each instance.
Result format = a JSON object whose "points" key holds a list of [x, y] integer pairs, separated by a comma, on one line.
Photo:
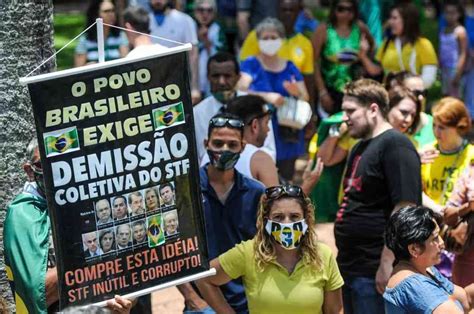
{"points": [[250, 60], [399, 278], [246, 246], [423, 42], [324, 250], [325, 253], [250, 64]]}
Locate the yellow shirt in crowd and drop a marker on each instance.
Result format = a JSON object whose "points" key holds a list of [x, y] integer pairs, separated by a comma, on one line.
{"points": [[441, 175], [297, 49], [274, 290], [390, 61]]}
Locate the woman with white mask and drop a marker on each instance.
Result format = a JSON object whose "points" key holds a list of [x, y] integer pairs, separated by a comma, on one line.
{"points": [[275, 79]]}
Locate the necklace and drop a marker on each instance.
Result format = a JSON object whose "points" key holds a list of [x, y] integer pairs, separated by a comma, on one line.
{"points": [[454, 151]]}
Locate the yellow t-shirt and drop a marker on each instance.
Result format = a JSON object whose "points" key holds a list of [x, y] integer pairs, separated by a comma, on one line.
{"points": [[274, 290], [297, 49], [442, 174], [425, 55]]}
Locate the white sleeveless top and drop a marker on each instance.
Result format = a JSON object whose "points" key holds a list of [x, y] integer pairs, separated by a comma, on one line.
{"points": [[243, 164]]}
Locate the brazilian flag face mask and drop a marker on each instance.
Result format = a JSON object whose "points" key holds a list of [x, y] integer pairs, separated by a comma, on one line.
{"points": [[288, 235]]}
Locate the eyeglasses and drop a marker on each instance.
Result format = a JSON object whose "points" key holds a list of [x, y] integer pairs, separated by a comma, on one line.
{"points": [[343, 8], [275, 192], [419, 92], [205, 10], [36, 167], [221, 122]]}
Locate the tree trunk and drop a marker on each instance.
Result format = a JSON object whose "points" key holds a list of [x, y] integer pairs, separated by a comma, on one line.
{"points": [[26, 39]]}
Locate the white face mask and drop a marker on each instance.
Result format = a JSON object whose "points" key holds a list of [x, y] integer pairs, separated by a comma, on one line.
{"points": [[270, 46]]}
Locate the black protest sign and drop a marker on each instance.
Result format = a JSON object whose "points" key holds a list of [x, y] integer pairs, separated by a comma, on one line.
{"points": [[118, 152]]}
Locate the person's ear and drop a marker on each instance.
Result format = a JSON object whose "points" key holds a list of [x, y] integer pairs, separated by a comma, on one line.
{"points": [[374, 110], [254, 125], [129, 26], [414, 250]]}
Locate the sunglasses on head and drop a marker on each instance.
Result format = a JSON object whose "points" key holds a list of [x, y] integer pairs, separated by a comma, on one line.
{"points": [[221, 122], [419, 92], [343, 8], [275, 192]]}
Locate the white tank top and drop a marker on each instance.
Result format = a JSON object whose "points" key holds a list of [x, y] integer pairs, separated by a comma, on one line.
{"points": [[243, 165]]}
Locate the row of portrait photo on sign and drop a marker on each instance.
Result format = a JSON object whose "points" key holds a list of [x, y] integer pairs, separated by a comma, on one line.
{"points": [[134, 204]]}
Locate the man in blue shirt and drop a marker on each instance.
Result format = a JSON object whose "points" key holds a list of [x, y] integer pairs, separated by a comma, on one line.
{"points": [[230, 200]]}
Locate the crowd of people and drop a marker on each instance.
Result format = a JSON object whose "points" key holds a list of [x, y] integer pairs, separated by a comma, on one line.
{"points": [[392, 171]]}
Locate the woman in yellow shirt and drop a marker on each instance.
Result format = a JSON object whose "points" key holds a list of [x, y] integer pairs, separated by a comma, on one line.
{"points": [[450, 154], [284, 269], [405, 49]]}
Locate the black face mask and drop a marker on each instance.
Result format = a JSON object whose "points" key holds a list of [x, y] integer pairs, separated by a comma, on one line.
{"points": [[223, 160]]}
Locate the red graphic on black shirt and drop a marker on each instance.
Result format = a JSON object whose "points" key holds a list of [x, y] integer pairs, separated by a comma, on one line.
{"points": [[348, 183]]}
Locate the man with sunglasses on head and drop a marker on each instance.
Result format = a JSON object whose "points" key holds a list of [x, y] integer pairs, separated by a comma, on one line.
{"points": [[382, 175], [254, 162], [230, 202]]}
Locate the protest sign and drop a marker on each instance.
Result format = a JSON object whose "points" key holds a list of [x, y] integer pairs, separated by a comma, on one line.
{"points": [[121, 176]]}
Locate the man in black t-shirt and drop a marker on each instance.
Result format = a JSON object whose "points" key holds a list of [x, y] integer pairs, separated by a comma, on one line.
{"points": [[382, 175]]}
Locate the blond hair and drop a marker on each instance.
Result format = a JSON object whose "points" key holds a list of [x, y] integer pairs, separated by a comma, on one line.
{"points": [[263, 246]]}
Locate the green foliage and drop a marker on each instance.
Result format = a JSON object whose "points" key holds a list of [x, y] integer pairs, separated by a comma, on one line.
{"points": [[66, 27]]}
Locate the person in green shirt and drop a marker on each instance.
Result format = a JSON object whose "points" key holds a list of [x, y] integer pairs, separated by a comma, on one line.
{"points": [[284, 268], [344, 47]]}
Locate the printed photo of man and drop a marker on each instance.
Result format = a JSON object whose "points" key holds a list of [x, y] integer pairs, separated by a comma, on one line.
{"points": [[167, 194], [102, 210], [123, 234], [120, 208], [135, 202], [90, 244], [171, 223], [139, 232]]}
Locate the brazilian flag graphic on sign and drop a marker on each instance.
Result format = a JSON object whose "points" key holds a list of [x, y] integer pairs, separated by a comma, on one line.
{"points": [[156, 236], [61, 141], [165, 117]]}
